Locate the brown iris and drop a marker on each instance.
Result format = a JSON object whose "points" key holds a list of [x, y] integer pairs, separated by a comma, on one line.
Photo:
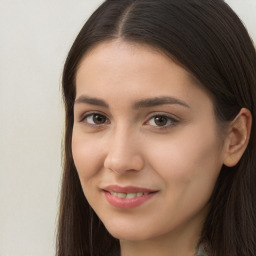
{"points": [[160, 120], [99, 119]]}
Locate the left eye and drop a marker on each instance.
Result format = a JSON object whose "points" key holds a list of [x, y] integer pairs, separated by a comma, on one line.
{"points": [[161, 121], [95, 119]]}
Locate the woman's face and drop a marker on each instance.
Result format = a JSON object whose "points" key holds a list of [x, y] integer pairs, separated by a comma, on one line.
{"points": [[145, 142]]}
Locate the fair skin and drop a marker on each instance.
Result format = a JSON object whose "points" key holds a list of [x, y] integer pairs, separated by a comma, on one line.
{"points": [[141, 120]]}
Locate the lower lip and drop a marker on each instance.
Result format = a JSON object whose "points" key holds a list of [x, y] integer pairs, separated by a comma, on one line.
{"points": [[127, 203]]}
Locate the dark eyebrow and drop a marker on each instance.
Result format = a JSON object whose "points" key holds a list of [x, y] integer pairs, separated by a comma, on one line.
{"points": [[91, 101], [145, 103]]}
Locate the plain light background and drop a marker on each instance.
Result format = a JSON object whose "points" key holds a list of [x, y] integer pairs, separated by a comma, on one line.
{"points": [[35, 36]]}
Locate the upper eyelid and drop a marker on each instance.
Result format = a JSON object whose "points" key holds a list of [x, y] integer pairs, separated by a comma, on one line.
{"points": [[173, 120], [168, 115], [88, 113]]}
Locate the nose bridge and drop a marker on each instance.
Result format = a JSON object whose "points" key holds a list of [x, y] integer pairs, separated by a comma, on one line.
{"points": [[123, 153]]}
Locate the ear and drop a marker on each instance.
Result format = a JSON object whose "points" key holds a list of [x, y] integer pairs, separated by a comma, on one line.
{"points": [[238, 137]]}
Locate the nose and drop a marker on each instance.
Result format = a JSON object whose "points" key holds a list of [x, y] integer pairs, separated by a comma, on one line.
{"points": [[123, 153]]}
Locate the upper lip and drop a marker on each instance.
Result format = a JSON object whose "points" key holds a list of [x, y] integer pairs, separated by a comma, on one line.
{"points": [[127, 189]]}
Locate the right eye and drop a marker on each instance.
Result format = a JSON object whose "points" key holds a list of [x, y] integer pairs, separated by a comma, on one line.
{"points": [[95, 119]]}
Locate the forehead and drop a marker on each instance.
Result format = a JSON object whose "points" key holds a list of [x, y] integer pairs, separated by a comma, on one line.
{"points": [[113, 52], [119, 67]]}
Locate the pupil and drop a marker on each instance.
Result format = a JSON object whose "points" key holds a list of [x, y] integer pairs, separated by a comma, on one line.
{"points": [[99, 119], [160, 120]]}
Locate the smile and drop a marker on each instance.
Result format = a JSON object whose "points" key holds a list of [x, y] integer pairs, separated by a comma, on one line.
{"points": [[128, 195]]}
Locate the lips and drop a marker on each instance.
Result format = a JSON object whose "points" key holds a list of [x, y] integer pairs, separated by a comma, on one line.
{"points": [[127, 197], [127, 189]]}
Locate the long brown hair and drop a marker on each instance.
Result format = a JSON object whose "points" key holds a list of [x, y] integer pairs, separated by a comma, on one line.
{"points": [[208, 39]]}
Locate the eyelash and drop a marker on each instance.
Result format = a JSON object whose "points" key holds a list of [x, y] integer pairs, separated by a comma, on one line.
{"points": [[91, 114], [172, 121]]}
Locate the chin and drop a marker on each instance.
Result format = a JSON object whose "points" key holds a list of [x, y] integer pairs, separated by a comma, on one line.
{"points": [[129, 232], [128, 236]]}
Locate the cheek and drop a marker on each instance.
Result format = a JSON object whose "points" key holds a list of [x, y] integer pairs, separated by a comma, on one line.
{"points": [[189, 163], [189, 168], [86, 156], [87, 159]]}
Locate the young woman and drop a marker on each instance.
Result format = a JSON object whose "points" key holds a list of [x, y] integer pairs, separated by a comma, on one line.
{"points": [[160, 132]]}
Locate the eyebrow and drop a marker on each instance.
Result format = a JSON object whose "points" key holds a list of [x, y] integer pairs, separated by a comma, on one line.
{"points": [[92, 101], [157, 101], [144, 103]]}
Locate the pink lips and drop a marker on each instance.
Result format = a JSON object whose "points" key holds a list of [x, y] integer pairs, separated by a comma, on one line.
{"points": [[142, 195]]}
